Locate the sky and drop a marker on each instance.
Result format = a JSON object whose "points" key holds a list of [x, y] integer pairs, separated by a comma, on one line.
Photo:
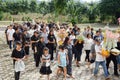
{"points": [[90, 1], [78, 0]]}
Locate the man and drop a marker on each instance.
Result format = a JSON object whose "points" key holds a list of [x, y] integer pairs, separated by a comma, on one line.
{"points": [[10, 33], [98, 36], [34, 40], [100, 59], [16, 36]]}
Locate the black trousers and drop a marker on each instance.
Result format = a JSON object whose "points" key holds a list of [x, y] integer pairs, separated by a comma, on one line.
{"points": [[51, 50], [26, 48], [10, 44], [87, 55], [37, 60], [17, 75], [78, 55], [112, 58]]}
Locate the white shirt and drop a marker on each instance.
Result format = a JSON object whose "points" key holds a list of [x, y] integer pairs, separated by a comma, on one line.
{"points": [[88, 43], [10, 33], [45, 35], [72, 37], [99, 57]]}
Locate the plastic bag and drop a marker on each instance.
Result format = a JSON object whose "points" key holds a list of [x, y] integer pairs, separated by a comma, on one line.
{"points": [[19, 66], [47, 64]]}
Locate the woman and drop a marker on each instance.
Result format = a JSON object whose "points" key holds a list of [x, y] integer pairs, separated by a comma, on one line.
{"points": [[51, 43], [68, 46], [87, 46], [78, 46]]}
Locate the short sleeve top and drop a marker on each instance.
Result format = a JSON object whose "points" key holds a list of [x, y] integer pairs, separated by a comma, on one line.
{"points": [[18, 54]]}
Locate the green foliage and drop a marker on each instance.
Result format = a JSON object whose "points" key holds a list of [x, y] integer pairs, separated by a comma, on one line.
{"points": [[26, 19], [1, 15], [60, 6], [110, 8], [33, 6], [92, 12], [75, 11]]}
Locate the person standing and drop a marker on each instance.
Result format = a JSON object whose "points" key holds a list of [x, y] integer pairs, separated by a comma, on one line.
{"points": [[10, 33], [45, 67], [40, 46], [68, 46], [16, 36], [62, 61], [18, 54], [113, 58], [26, 42], [78, 47], [51, 43], [100, 59], [87, 46], [34, 41]]}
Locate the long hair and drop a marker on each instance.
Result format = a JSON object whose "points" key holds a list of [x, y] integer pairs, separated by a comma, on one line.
{"points": [[66, 41], [50, 32]]}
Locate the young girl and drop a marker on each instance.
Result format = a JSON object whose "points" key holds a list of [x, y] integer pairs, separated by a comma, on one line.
{"points": [[87, 46], [62, 61], [18, 54], [45, 68]]}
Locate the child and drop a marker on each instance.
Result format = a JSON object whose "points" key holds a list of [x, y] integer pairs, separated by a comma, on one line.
{"points": [[62, 61], [45, 68], [18, 54], [100, 59]]}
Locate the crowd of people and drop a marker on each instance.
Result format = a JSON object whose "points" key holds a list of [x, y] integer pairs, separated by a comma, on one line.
{"points": [[67, 43]]}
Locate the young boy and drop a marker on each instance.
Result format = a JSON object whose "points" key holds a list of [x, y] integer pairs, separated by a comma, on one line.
{"points": [[18, 54], [100, 60]]}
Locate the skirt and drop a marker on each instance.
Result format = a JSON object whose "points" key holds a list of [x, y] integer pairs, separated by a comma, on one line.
{"points": [[45, 70]]}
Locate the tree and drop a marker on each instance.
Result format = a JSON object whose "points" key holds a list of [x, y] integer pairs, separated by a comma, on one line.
{"points": [[60, 6], [33, 6], [92, 11], [75, 10], [110, 8]]}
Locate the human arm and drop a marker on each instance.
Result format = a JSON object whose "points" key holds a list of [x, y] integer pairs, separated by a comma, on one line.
{"points": [[58, 58]]}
